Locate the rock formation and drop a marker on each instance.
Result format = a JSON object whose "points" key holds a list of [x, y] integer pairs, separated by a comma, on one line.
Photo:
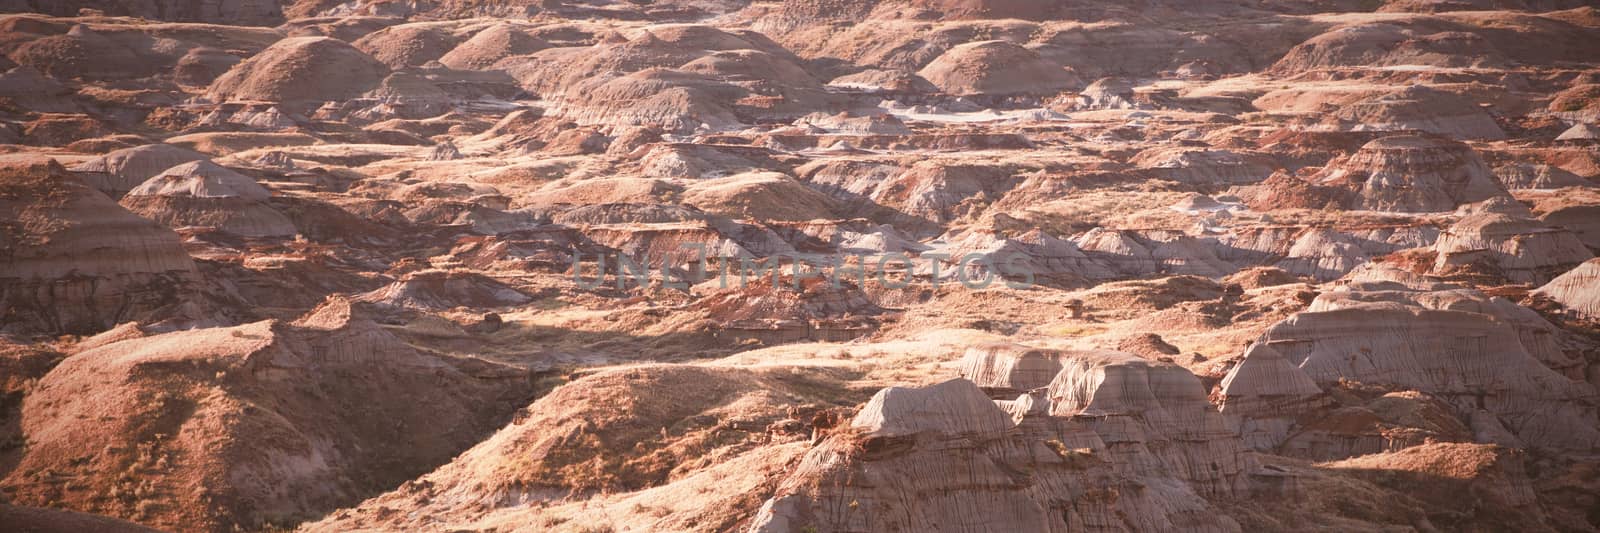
{"points": [[300, 70], [78, 263], [263, 414], [202, 193]]}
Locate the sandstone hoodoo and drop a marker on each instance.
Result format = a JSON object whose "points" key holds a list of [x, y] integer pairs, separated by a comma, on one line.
{"points": [[801, 266]]}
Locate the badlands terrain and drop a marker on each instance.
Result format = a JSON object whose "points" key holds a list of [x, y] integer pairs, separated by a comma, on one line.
{"points": [[1074, 265]]}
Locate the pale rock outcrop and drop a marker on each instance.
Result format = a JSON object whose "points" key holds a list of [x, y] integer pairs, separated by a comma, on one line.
{"points": [[1411, 173], [1323, 254], [1520, 249], [947, 458], [202, 193], [1471, 361], [1523, 176], [1554, 347], [1580, 132], [118, 172], [1007, 369], [1577, 291]]}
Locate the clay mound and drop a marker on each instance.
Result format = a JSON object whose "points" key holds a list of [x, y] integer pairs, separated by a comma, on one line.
{"points": [[546, 248], [62, 130], [492, 44], [1577, 292], [1420, 108], [1006, 370], [481, 219], [1534, 176], [1556, 349], [1471, 361], [1264, 383], [1382, 44], [77, 262], [437, 290], [29, 89], [1519, 249], [1411, 173], [688, 160], [259, 424], [1324, 254], [760, 195], [202, 193], [118, 172], [888, 81], [1131, 254], [996, 68], [201, 66], [618, 430], [676, 245], [408, 45], [986, 9], [1101, 415], [202, 179], [300, 70], [81, 53]]}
